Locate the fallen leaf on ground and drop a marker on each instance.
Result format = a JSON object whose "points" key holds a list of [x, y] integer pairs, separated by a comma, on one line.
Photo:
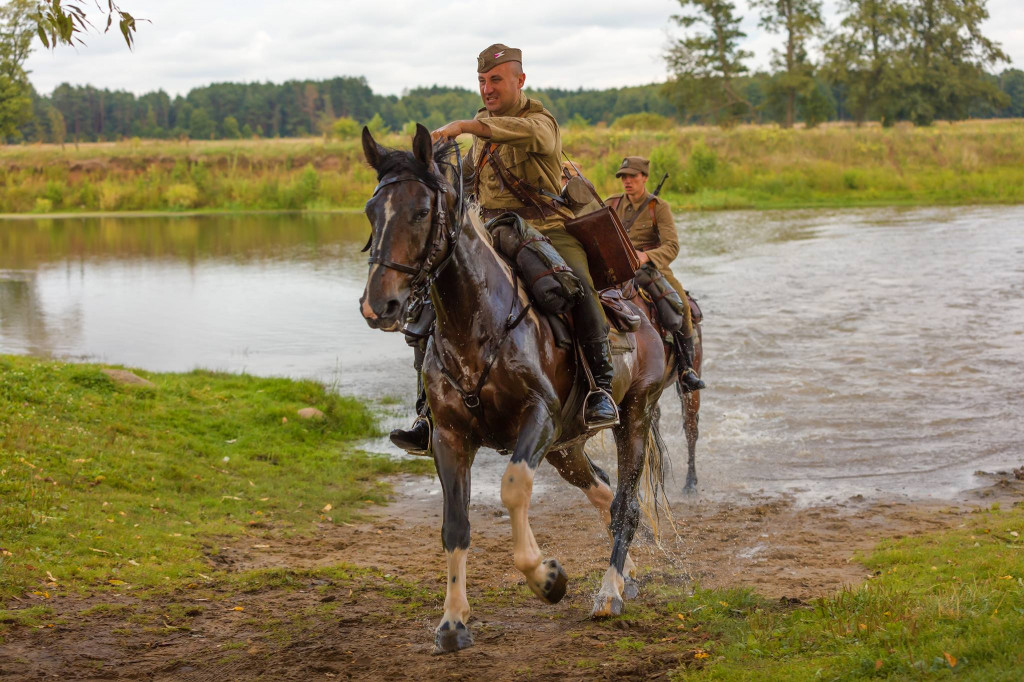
{"points": [[238, 608], [950, 658], [327, 507], [115, 581]]}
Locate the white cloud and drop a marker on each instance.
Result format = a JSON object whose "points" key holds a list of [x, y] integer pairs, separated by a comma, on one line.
{"points": [[399, 44]]}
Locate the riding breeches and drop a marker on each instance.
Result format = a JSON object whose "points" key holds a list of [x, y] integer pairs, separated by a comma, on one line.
{"points": [[591, 324]]}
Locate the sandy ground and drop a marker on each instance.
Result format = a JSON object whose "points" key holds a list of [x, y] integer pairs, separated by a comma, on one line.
{"points": [[364, 627]]}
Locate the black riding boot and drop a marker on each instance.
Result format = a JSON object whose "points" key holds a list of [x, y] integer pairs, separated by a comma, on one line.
{"points": [[416, 439], [600, 410], [687, 377]]}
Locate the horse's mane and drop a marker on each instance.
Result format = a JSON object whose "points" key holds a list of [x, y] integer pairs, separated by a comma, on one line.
{"points": [[403, 161]]}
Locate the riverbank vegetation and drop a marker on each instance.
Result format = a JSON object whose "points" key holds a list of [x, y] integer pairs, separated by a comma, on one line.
{"points": [[104, 484], [938, 604], [115, 502], [710, 168]]}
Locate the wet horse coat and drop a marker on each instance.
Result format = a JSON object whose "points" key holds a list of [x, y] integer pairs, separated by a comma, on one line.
{"points": [[486, 336]]}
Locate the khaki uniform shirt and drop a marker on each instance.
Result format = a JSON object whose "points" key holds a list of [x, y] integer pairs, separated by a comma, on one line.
{"points": [[661, 243], [529, 147]]}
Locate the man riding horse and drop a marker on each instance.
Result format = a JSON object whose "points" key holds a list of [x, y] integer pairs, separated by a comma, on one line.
{"points": [[652, 231], [499, 369], [516, 167]]}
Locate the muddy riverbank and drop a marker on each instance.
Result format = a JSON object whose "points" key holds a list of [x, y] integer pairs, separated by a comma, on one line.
{"points": [[292, 614]]}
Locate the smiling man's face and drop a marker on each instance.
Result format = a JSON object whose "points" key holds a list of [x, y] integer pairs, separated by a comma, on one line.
{"points": [[500, 87]]}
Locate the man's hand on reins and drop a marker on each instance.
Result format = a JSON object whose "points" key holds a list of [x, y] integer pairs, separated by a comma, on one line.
{"points": [[456, 128]]}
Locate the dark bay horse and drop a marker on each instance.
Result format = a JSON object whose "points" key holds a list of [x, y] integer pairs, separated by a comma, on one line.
{"points": [[495, 376]]}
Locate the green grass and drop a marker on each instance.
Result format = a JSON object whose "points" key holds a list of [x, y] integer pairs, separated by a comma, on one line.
{"points": [[750, 166], [943, 605], [117, 487]]}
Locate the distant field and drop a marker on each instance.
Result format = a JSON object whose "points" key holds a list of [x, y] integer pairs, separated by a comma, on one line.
{"points": [[710, 168]]}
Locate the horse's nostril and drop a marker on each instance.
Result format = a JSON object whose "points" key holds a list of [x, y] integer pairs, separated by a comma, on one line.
{"points": [[391, 310]]}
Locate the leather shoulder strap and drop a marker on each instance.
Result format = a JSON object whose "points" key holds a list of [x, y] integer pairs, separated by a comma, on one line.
{"points": [[489, 150]]}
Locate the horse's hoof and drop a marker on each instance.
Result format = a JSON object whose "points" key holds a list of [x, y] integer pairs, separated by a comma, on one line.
{"points": [[448, 639], [690, 488], [555, 582], [606, 607], [631, 589]]}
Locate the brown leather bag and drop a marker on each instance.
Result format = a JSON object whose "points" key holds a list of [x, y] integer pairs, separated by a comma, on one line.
{"points": [[611, 256]]}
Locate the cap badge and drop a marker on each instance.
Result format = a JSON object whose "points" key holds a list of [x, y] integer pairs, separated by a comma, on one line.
{"points": [[499, 54]]}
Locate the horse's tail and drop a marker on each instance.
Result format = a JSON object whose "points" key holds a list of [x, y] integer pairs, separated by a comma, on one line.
{"points": [[653, 500]]}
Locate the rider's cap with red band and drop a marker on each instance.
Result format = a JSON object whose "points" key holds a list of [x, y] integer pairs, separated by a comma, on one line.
{"points": [[497, 54]]}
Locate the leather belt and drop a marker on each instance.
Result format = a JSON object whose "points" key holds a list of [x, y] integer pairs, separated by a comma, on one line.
{"points": [[524, 212]]}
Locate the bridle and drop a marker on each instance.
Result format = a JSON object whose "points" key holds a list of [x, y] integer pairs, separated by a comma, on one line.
{"points": [[442, 232], [426, 272]]}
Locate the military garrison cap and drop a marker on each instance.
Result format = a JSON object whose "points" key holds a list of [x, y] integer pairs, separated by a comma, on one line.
{"points": [[634, 165], [497, 54]]}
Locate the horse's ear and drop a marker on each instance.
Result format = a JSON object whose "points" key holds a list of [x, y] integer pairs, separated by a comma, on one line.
{"points": [[373, 151], [422, 147]]}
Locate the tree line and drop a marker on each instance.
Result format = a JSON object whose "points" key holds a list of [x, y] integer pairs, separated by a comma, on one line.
{"points": [[888, 60]]}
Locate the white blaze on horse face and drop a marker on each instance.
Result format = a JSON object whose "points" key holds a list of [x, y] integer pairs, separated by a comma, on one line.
{"points": [[389, 215], [456, 603]]}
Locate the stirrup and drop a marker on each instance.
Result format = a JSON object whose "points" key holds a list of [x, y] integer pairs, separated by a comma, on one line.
{"points": [[597, 426], [693, 385], [412, 450]]}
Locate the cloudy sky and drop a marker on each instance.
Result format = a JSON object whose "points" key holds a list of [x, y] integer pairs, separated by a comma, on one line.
{"points": [[400, 44]]}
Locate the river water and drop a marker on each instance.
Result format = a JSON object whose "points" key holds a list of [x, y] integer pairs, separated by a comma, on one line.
{"points": [[876, 352]]}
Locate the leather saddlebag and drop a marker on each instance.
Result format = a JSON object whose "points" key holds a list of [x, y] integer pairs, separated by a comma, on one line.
{"points": [[667, 300], [610, 254], [551, 283]]}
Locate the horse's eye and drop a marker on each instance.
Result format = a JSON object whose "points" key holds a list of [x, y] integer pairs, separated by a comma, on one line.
{"points": [[420, 214]]}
